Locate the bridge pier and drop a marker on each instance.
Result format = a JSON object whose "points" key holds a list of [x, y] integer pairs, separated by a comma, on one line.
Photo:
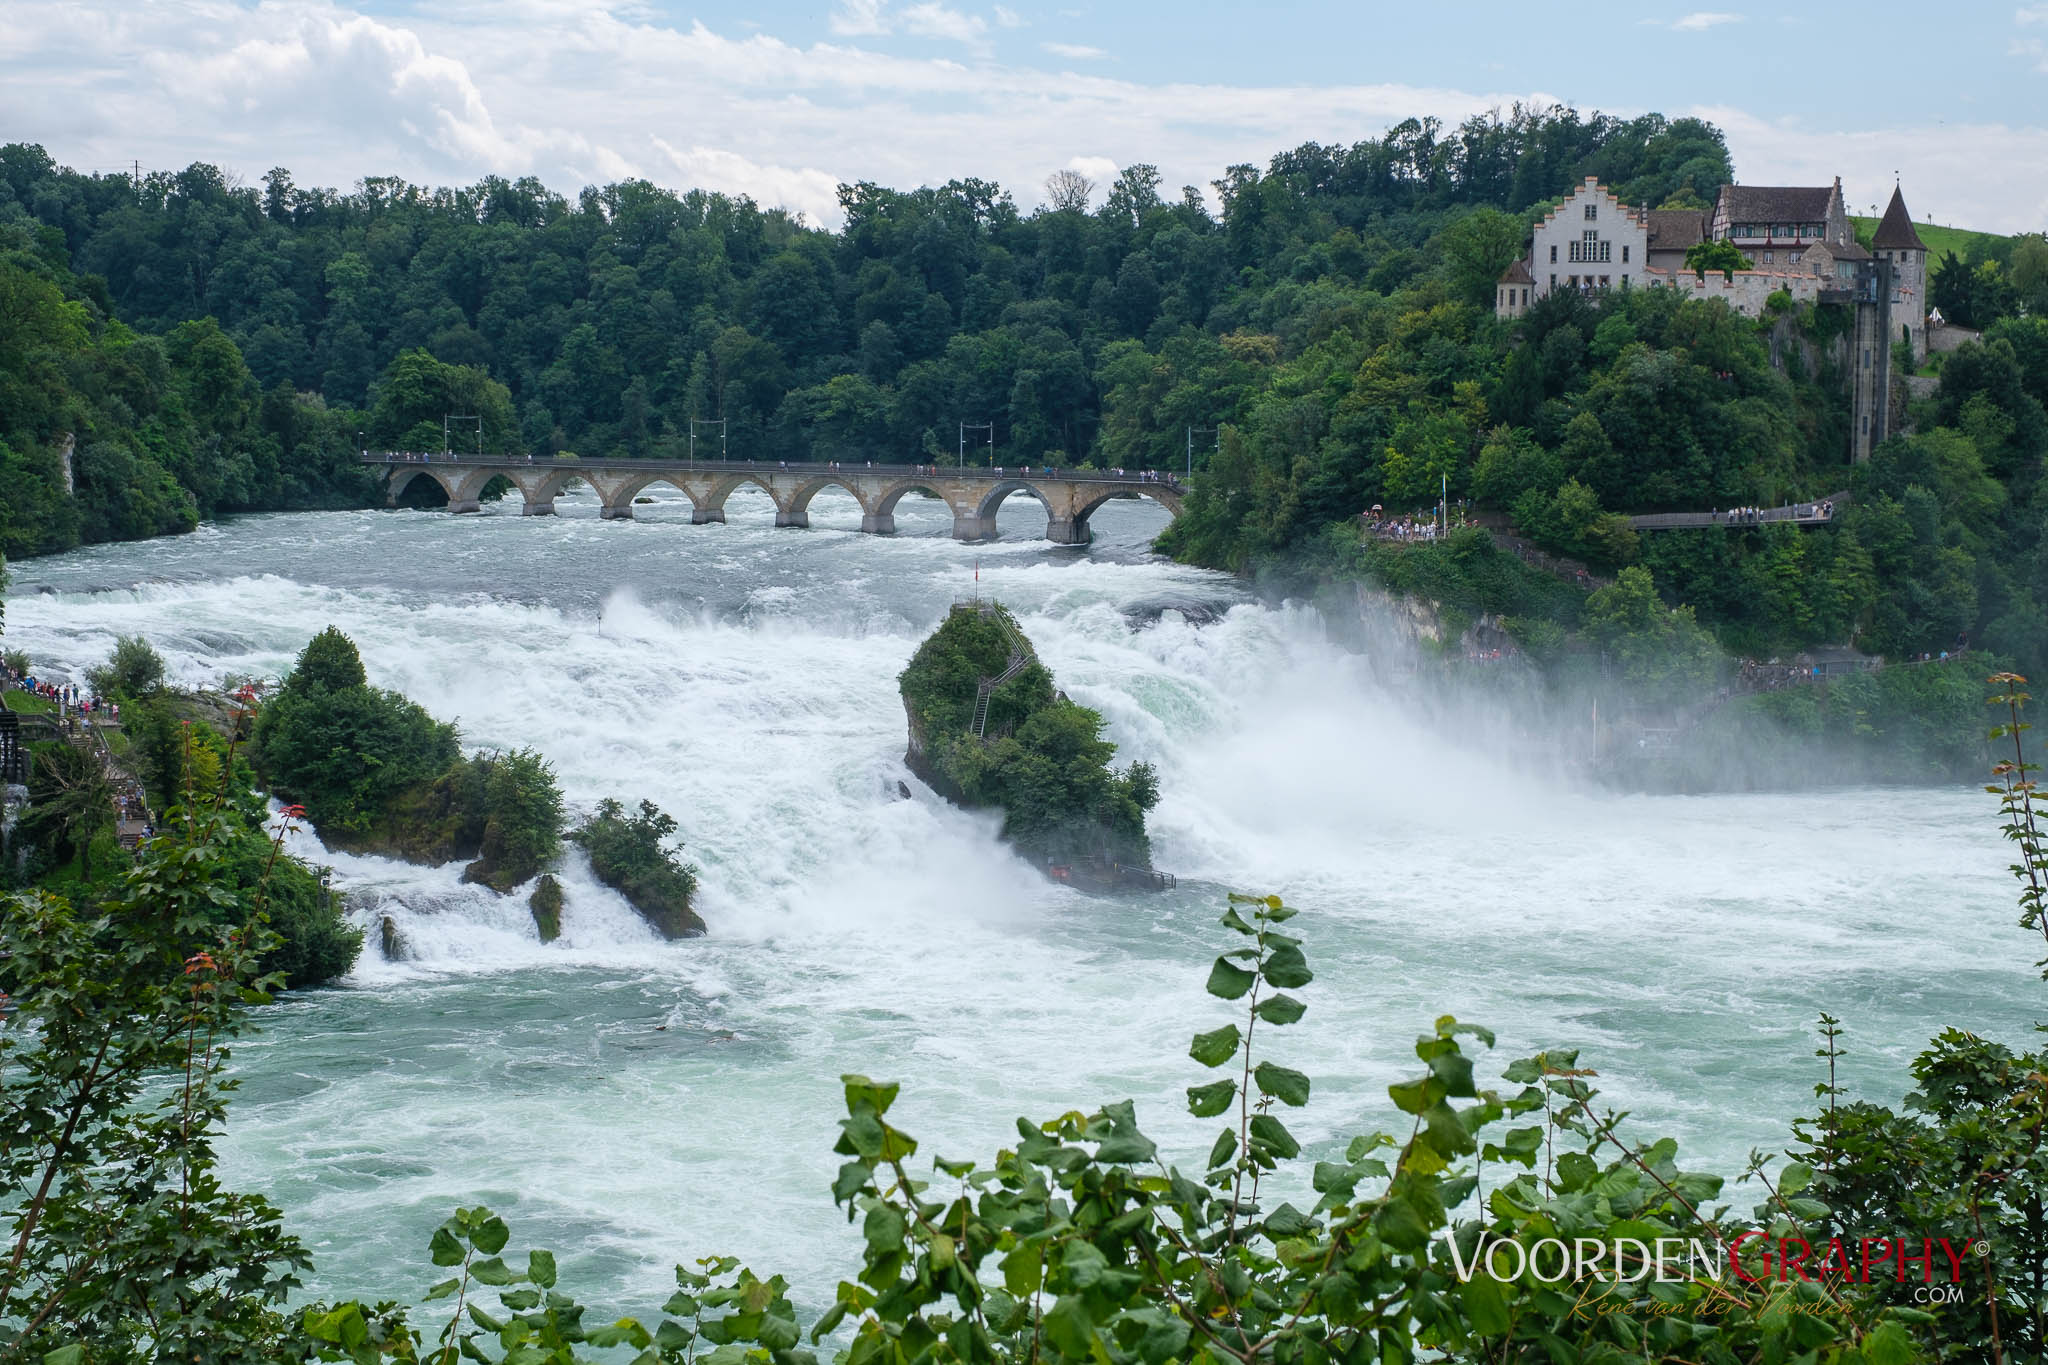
{"points": [[972, 526], [1067, 531], [543, 508], [704, 516], [800, 520], [622, 512], [465, 505], [878, 523]]}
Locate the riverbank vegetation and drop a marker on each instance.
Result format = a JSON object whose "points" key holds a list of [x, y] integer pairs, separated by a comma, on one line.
{"points": [[1034, 755], [181, 756], [1880, 1236]]}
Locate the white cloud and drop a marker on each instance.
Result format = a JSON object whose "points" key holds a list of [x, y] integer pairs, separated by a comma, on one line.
{"points": [[1075, 52], [934, 20], [584, 91], [1703, 20], [1100, 169], [1008, 18], [2031, 14], [813, 193], [857, 19], [2001, 187]]}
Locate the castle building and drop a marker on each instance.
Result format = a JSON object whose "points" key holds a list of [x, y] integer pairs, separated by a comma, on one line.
{"points": [[1799, 244], [1798, 241]]}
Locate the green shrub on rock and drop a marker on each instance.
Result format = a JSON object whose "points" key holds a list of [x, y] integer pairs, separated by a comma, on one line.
{"points": [[1039, 757], [629, 854]]}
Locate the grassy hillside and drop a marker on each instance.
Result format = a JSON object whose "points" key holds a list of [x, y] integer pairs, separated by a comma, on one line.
{"points": [[1940, 240]]}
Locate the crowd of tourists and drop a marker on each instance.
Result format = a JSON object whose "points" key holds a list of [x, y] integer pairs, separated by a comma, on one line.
{"points": [[1751, 516], [1404, 528], [72, 700], [76, 708]]}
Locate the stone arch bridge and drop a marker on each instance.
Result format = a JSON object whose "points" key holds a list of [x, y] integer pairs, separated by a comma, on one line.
{"points": [[1070, 496]]}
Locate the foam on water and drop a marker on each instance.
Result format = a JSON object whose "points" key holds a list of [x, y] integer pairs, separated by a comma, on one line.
{"points": [[632, 1102]]}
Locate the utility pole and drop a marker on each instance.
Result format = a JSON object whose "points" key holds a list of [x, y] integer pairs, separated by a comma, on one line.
{"points": [[449, 419], [1217, 432], [990, 428], [706, 422]]}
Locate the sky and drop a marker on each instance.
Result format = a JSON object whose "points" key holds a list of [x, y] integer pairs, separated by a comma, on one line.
{"points": [[784, 101]]}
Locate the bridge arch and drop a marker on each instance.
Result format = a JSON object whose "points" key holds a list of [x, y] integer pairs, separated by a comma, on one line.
{"points": [[402, 476], [881, 515], [1086, 503], [992, 501], [624, 493], [800, 500], [712, 506]]}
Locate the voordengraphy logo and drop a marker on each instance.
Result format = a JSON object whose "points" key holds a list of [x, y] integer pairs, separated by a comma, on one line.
{"points": [[1752, 1257]]}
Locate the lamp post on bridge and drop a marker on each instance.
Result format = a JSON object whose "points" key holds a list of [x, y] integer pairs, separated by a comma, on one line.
{"points": [[990, 428], [449, 419], [1217, 432], [694, 424]]}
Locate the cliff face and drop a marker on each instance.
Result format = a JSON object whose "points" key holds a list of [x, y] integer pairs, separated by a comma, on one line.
{"points": [[920, 762]]}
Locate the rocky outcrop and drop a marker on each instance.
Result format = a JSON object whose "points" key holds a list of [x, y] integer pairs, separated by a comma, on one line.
{"points": [[546, 905]]}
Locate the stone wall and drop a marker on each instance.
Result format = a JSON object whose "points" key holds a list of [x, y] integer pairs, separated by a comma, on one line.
{"points": [[1750, 289], [1946, 336]]}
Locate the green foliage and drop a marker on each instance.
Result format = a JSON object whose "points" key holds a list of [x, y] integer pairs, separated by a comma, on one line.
{"points": [[71, 803], [1918, 724], [1040, 758], [630, 854], [112, 1091], [1722, 255], [343, 749], [522, 819], [161, 430], [1082, 1241], [328, 663], [1660, 651], [135, 670], [418, 392], [267, 318], [546, 905]]}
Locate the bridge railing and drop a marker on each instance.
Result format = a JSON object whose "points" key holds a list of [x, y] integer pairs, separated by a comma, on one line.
{"points": [[1160, 477]]}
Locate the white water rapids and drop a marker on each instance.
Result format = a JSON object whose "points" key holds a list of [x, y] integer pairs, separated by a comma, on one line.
{"points": [[633, 1103]]}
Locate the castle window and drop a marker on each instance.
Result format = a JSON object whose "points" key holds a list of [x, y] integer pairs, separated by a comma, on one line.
{"points": [[1553, 253], [1592, 212], [1624, 255], [1553, 278]]}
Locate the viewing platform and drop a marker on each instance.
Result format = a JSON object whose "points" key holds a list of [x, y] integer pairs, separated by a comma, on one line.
{"points": [[1819, 512]]}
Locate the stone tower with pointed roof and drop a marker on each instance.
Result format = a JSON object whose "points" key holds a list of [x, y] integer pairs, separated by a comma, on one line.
{"points": [[1898, 244]]}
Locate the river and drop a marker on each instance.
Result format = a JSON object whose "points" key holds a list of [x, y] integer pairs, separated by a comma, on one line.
{"points": [[633, 1103]]}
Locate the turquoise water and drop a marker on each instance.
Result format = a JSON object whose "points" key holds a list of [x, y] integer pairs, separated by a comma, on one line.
{"points": [[633, 1103]]}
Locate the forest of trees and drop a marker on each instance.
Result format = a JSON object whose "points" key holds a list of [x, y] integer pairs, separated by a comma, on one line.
{"points": [[214, 347], [609, 321]]}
